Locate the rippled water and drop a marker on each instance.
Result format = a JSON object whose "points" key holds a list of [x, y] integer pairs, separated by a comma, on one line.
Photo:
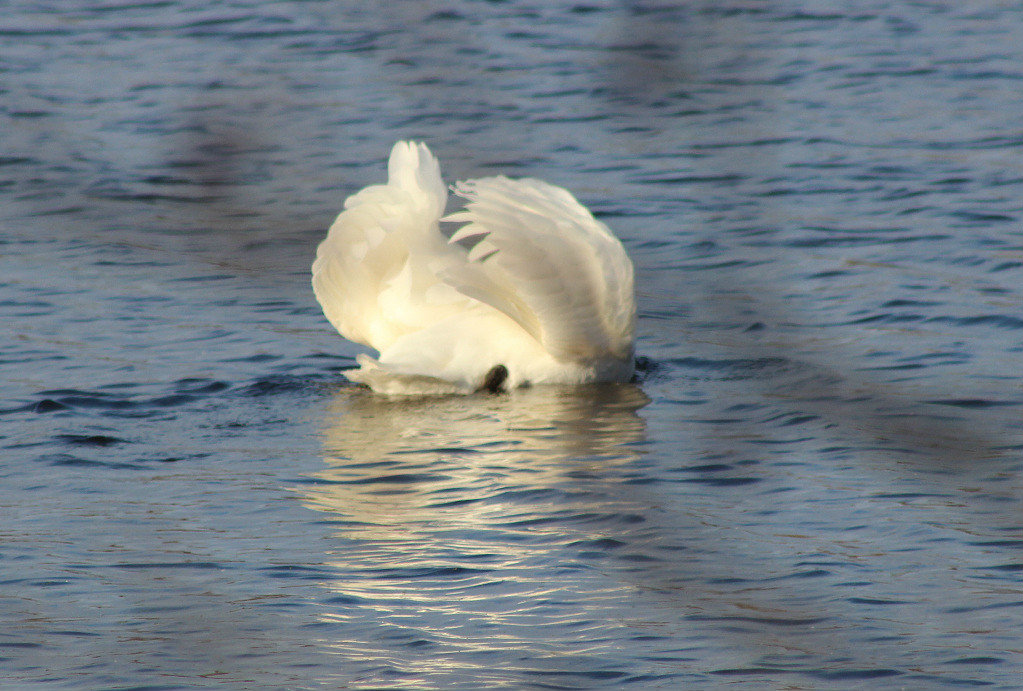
{"points": [[815, 484]]}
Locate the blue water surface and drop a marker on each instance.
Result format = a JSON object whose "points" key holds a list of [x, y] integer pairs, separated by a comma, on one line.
{"points": [[815, 483]]}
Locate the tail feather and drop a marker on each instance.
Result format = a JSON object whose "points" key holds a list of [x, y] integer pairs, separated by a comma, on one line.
{"points": [[374, 251]]}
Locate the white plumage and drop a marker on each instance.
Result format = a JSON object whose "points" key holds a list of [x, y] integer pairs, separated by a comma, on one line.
{"points": [[530, 282]]}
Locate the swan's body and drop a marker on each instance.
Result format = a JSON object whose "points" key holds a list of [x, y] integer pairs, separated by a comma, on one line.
{"points": [[530, 283]]}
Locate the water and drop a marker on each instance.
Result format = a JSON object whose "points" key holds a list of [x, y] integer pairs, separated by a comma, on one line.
{"points": [[815, 484]]}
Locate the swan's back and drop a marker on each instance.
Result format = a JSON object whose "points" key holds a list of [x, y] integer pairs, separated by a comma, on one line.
{"points": [[531, 283]]}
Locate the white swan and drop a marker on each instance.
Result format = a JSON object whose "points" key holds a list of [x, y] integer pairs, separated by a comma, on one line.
{"points": [[531, 289]]}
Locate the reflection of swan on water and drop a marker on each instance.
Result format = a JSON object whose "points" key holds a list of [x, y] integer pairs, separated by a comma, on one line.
{"points": [[458, 524], [530, 289], [392, 463]]}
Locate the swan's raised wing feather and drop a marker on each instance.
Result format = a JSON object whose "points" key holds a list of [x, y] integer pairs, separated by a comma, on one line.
{"points": [[543, 260], [372, 274]]}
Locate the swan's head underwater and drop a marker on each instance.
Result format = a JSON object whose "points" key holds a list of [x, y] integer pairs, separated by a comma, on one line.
{"points": [[529, 288]]}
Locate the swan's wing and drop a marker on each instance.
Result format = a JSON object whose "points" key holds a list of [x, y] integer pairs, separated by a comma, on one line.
{"points": [[543, 260], [375, 273]]}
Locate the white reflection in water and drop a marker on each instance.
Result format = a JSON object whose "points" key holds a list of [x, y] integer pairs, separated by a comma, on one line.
{"points": [[468, 525], [398, 462]]}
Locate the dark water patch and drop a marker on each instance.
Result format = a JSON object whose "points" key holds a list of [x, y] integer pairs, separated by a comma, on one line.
{"points": [[769, 621], [833, 273], [973, 218], [560, 518], [1012, 544], [454, 502], [800, 575], [165, 179], [204, 278], [275, 385], [978, 660], [639, 558], [749, 671], [876, 602], [634, 481], [413, 573], [690, 179], [645, 367], [855, 674], [172, 400], [330, 357], [886, 172], [160, 609], [840, 239], [174, 459], [602, 544], [974, 403], [98, 440], [891, 72], [16, 161], [941, 357], [346, 600], [25, 309], [298, 571], [135, 401], [73, 633], [707, 468], [741, 368], [775, 192], [791, 419], [531, 496], [74, 398], [595, 675], [902, 302], [900, 194], [823, 17], [1016, 604], [40, 582], [743, 143], [888, 318], [1014, 567], [156, 565], [46, 405], [443, 450], [313, 481], [70, 461], [396, 479], [150, 197], [200, 386], [29, 114], [998, 321], [124, 400], [721, 481], [721, 265], [445, 16]]}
